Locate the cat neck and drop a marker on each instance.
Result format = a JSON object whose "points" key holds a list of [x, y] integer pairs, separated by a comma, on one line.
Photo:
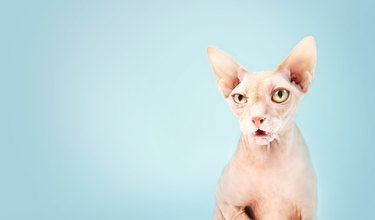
{"points": [[283, 146]]}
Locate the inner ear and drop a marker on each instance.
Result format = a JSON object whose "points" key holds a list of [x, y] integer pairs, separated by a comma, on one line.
{"points": [[227, 84], [302, 80]]}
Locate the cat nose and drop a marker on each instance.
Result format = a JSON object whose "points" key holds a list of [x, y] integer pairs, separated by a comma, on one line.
{"points": [[258, 121]]}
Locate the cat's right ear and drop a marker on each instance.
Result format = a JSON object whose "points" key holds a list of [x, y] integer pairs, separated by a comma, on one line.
{"points": [[300, 63], [228, 72]]}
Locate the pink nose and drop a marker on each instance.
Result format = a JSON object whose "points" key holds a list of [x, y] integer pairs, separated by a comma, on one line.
{"points": [[257, 121]]}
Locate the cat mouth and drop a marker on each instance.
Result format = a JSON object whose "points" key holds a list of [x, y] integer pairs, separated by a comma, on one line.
{"points": [[261, 133], [261, 137]]}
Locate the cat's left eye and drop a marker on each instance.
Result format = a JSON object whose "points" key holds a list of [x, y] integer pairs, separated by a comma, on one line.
{"points": [[280, 95]]}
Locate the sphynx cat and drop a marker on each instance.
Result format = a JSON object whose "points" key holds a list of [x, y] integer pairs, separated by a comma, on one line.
{"points": [[270, 176]]}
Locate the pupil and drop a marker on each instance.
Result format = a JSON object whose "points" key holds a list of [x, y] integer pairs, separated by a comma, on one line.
{"points": [[239, 97], [280, 93]]}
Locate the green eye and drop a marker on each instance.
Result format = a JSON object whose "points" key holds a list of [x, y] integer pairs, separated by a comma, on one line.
{"points": [[239, 99], [280, 95]]}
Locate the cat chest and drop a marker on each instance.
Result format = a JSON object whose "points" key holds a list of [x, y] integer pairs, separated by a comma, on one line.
{"points": [[244, 186]]}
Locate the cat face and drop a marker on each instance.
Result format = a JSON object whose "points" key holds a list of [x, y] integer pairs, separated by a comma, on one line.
{"points": [[265, 102]]}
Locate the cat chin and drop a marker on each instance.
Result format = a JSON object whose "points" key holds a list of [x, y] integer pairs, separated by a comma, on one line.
{"points": [[262, 139]]}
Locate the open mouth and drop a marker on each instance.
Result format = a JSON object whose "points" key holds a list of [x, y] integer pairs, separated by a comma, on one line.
{"points": [[261, 137], [261, 133]]}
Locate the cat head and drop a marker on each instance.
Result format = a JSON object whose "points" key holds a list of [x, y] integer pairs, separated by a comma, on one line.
{"points": [[265, 102]]}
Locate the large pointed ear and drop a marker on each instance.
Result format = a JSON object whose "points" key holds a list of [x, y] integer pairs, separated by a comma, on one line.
{"points": [[229, 73], [300, 63]]}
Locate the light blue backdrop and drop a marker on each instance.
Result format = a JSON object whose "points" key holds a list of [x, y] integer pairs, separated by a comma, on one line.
{"points": [[109, 110]]}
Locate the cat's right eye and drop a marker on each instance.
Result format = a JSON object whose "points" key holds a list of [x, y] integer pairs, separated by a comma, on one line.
{"points": [[239, 99]]}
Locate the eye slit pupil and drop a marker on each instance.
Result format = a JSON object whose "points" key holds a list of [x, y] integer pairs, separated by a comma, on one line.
{"points": [[280, 93], [240, 97]]}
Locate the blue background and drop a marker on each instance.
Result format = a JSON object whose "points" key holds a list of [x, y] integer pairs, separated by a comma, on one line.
{"points": [[109, 109]]}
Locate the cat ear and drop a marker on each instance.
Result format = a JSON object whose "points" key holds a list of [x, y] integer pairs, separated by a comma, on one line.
{"points": [[300, 63], [228, 72]]}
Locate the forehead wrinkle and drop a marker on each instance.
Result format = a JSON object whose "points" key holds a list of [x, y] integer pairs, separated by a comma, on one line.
{"points": [[256, 86], [259, 87]]}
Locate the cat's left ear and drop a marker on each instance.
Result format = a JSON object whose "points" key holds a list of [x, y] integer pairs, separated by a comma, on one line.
{"points": [[300, 63]]}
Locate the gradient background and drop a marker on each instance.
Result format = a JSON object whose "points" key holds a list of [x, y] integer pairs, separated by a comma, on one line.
{"points": [[109, 109]]}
